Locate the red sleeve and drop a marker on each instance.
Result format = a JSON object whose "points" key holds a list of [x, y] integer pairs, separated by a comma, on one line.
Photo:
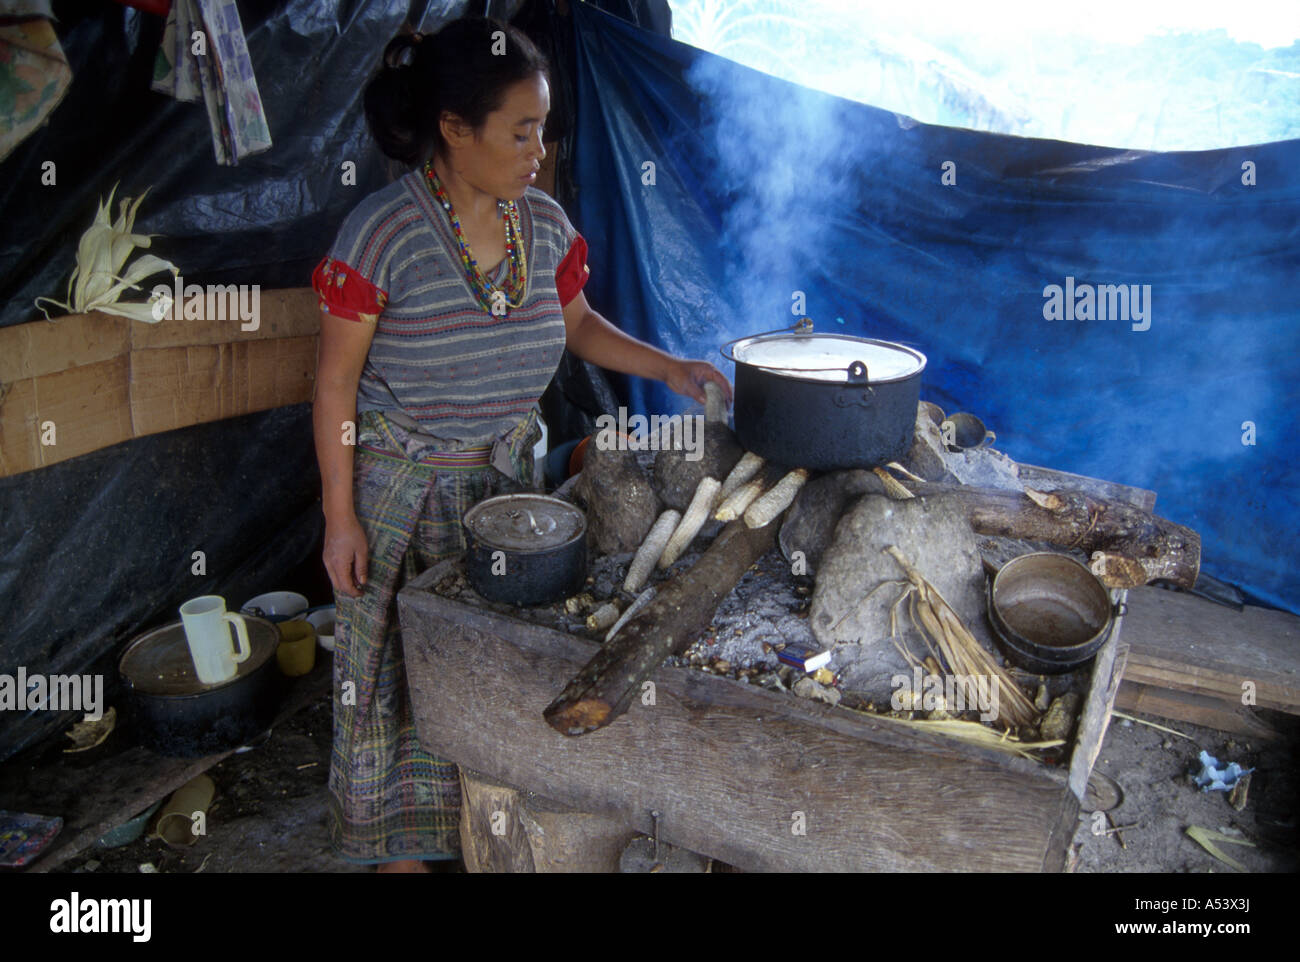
{"points": [[573, 272], [344, 292]]}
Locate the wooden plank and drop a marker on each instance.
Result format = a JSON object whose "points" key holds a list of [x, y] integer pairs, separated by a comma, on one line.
{"points": [[1185, 643], [492, 833], [179, 386], [89, 407], [737, 773], [282, 313], [507, 830], [104, 379], [1107, 669], [93, 799], [1049, 479], [1196, 708], [20, 440], [47, 347]]}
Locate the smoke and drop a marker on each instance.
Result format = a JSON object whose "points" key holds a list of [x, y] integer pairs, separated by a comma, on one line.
{"points": [[787, 164]]}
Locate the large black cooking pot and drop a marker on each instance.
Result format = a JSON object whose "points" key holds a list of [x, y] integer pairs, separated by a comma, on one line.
{"points": [[525, 549], [825, 401], [174, 713]]}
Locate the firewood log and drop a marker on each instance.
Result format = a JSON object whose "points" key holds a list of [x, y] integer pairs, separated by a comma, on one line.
{"points": [[1159, 548], [604, 688]]}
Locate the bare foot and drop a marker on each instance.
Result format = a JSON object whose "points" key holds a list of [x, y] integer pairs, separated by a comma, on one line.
{"points": [[405, 865]]}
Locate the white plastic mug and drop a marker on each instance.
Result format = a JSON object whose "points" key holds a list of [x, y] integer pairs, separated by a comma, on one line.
{"points": [[206, 623]]}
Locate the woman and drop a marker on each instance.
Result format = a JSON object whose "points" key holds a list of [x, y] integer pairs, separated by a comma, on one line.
{"points": [[446, 301]]}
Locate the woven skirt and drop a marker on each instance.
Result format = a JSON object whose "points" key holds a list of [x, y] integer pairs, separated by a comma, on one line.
{"points": [[390, 799]]}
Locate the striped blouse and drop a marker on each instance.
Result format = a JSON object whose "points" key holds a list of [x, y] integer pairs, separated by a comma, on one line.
{"points": [[440, 363]]}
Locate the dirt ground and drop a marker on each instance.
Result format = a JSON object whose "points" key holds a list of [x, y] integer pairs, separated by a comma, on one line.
{"points": [[1161, 802], [270, 812]]}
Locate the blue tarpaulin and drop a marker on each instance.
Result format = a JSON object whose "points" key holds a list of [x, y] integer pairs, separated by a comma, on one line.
{"points": [[1121, 314]]}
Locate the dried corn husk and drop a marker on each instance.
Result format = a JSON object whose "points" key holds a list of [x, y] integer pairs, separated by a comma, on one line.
{"points": [[962, 654], [97, 282]]}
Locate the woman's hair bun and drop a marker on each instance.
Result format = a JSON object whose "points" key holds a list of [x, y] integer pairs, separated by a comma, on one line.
{"points": [[464, 69], [390, 104]]}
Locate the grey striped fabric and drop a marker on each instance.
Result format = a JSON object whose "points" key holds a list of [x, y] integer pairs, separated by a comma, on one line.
{"points": [[440, 363]]}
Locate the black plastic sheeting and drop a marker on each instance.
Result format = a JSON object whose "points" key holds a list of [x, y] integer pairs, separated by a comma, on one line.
{"points": [[99, 548], [762, 189], [267, 221]]}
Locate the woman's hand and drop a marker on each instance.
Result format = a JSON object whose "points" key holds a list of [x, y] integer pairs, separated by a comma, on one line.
{"points": [[689, 377], [345, 555]]}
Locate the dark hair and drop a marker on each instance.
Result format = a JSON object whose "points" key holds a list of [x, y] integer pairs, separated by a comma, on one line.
{"points": [[456, 70]]}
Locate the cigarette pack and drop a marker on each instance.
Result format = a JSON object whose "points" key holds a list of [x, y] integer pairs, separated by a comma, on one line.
{"points": [[801, 656]]}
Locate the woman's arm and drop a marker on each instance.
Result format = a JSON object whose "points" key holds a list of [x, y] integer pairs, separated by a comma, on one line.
{"points": [[341, 355], [595, 339]]}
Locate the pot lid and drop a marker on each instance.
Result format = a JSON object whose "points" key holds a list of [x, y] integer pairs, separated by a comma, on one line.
{"points": [[827, 357], [159, 663], [525, 522]]}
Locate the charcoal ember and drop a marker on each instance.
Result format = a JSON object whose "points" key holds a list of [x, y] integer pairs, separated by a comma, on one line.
{"points": [[621, 502], [933, 534], [811, 520], [676, 476]]}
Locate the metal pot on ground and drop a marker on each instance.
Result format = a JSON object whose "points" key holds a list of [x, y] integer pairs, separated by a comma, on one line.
{"points": [[174, 713], [1050, 614]]}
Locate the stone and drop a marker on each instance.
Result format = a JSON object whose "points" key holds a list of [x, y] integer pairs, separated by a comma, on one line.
{"points": [[805, 687], [811, 520], [621, 502], [926, 457], [676, 476], [933, 534], [1059, 720]]}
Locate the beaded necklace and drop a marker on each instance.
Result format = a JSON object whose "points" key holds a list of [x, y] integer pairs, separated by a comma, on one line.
{"points": [[511, 293]]}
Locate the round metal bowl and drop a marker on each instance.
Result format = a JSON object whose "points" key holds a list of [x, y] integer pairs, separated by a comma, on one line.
{"points": [[1049, 613]]}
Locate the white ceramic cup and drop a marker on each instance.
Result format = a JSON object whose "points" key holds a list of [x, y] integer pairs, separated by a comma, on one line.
{"points": [[207, 631]]}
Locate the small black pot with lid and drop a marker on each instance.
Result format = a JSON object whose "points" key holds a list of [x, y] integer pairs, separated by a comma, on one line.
{"points": [[525, 549]]}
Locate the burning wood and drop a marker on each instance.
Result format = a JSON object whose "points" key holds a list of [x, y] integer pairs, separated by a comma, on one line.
{"points": [[606, 685]]}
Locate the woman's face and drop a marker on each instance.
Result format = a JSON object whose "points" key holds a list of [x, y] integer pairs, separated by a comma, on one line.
{"points": [[503, 156]]}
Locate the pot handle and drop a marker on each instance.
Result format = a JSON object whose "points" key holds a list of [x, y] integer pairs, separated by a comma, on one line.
{"points": [[859, 392], [804, 326]]}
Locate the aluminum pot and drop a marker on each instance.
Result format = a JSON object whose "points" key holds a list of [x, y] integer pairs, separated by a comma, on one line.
{"points": [[825, 401], [1050, 614], [525, 549], [174, 713]]}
